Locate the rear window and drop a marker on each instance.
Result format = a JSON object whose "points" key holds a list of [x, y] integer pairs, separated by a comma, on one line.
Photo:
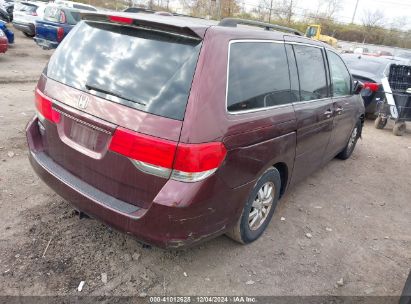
{"points": [[28, 8], [368, 65], [53, 14], [148, 70]]}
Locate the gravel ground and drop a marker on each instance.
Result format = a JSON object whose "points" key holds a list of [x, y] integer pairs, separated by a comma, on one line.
{"points": [[358, 213]]}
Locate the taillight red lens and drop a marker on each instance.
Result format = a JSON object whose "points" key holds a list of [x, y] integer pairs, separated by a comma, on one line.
{"points": [[45, 108], [121, 19], [183, 162], [60, 34], [199, 157], [152, 150], [374, 87]]}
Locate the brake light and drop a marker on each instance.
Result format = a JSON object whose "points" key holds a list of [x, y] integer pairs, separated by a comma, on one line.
{"points": [[60, 34], [121, 19], [45, 108], [182, 162], [373, 87], [34, 14], [199, 157], [155, 151]]}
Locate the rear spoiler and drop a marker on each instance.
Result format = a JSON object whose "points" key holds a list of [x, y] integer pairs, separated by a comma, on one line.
{"points": [[148, 22]]}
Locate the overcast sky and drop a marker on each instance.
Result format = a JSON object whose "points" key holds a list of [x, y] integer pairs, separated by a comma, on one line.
{"points": [[392, 9]]}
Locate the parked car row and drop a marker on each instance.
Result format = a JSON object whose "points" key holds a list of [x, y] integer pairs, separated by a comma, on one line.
{"points": [[4, 44], [387, 88], [47, 23]]}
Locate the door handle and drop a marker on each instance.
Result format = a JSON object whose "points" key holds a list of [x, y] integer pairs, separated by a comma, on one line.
{"points": [[328, 113], [339, 110]]}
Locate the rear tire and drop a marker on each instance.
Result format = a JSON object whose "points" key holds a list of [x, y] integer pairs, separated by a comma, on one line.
{"points": [[253, 220], [399, 128], [352, 141], [380, 122]]}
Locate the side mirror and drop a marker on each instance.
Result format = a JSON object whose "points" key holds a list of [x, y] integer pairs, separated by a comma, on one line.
{"points": [[358, 86]]}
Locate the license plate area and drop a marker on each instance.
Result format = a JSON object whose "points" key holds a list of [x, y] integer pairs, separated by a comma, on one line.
{"points": [[84, 136]]}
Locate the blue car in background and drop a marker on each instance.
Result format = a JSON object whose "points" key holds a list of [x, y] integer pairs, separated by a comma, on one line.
{"points": [[7, 31], [56, 24]]}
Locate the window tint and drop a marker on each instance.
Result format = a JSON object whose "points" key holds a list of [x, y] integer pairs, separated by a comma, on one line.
{"points": [[148, 70], [340, 77], [258, 76], [311, 71]]}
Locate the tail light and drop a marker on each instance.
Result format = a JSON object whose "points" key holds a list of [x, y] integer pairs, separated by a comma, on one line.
{"points": [[34, 14], [169, 159], [373, 87], [60, 34], [45, 108]]}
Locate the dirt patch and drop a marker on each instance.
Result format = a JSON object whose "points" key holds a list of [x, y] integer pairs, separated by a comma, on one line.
{"points": [[358, 213]]}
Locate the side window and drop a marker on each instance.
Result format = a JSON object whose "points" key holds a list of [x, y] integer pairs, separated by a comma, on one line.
{"points": [[340, 77], [258, 76], [295, 86], [311, 71]]}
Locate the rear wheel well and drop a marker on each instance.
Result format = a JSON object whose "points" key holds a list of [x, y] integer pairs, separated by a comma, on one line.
{"points": [[283, 169]]}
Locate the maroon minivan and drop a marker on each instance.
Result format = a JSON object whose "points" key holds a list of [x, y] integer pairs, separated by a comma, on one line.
{"points": [[176, 130]]}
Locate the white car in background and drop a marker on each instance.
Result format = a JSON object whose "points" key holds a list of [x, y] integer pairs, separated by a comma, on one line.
{"points": [[25, 15], [71, 4]]}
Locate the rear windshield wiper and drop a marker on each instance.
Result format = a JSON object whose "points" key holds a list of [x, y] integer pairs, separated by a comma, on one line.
{"points": [[104, 91]]}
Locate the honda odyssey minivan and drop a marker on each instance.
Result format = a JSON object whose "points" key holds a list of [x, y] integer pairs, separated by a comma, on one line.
{"points": [[176, 130]]}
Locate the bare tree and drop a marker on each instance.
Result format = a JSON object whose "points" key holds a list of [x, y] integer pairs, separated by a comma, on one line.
{"points": [[284, 10], [372, 19], [400, 23], [328, 8]]}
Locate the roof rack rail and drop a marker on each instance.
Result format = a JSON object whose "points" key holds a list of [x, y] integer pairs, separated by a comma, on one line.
{"points": [[233, 22]]}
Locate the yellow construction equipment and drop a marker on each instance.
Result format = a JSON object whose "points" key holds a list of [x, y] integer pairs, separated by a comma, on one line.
{"points": [[314, 32]]}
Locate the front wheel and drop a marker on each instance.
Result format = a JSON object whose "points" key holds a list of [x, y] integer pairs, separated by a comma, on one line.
{"points": [[258, 209], [352, 141]]}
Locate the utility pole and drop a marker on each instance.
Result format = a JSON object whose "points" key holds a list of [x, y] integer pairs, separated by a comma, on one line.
{"points": [[355, 11], [271, 8]]}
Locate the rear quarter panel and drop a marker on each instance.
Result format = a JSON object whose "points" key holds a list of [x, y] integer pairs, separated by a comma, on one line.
{"points": [[255, 141]]}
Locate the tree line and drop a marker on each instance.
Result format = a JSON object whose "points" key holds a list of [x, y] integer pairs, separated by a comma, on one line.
{"points": [[373, 26]]}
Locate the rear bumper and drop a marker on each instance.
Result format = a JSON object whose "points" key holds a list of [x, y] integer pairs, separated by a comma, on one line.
{"points": [[46, 44], [182, 214], [28, 28]]}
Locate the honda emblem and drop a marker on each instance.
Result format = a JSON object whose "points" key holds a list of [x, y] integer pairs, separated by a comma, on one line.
{"points": [[83, 102]]}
